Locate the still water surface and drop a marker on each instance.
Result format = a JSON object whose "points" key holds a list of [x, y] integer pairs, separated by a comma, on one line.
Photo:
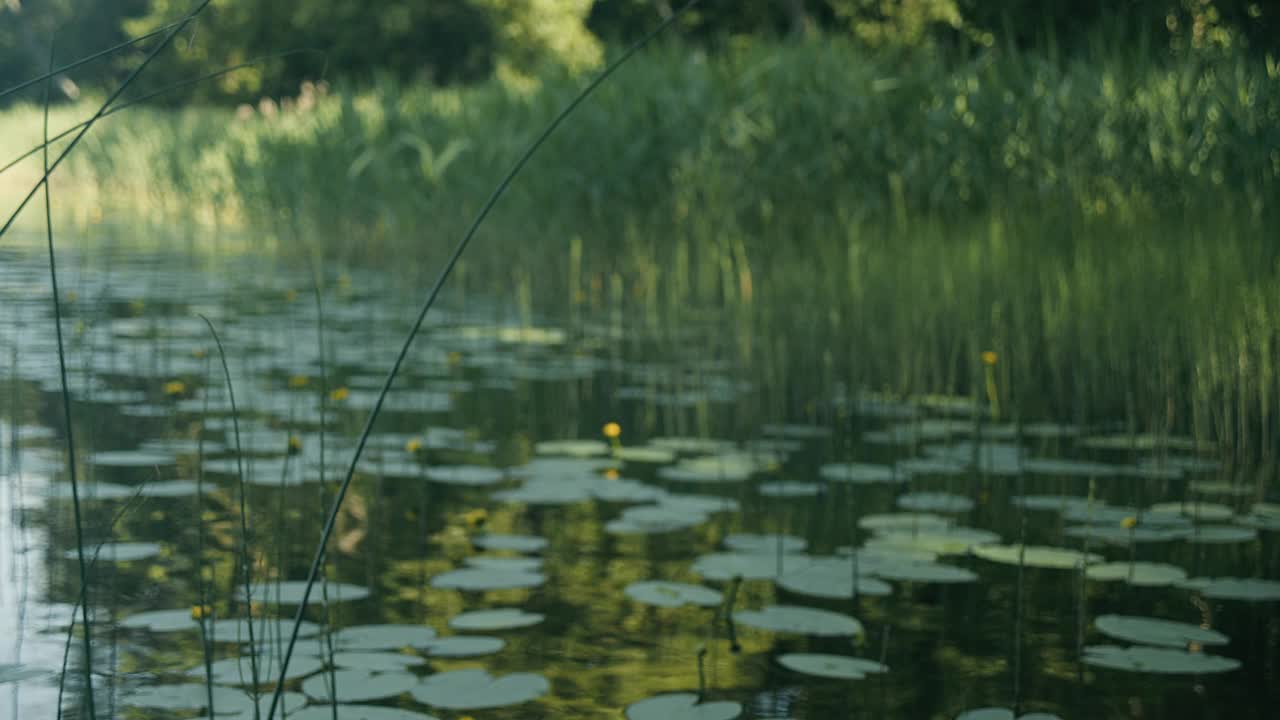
{"points": [[492, 483]]}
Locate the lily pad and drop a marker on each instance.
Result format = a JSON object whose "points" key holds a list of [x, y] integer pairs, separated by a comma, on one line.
{"points": [[1215, 534], [1036, 556], [359, 685], [1205, 511], [131, 458], [239, 670], [861, 473], [645, 454], [938, 540], [903, 521], [514, 543], [375, 661], [477, 689], [935, 502], [476, 579], [1230, 588], [383, 637], [290, 592], [803, 620], [1154, 631], [465, 475], [788, 488], [358, 712], [1141, 574], [749, 566], [682, 706], [829, 577], [572, 448], [672, 594], [649, 519], [458, 646], [752, 543], [837, 667], [1157, 660], [120, 552], [496, 619]]}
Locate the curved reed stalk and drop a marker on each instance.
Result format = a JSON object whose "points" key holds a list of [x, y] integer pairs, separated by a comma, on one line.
{"points": [[461, 247]]}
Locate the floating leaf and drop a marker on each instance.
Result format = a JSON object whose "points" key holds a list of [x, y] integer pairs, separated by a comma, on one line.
{"points": [[383, 637], [642, 454], [682, 706], [290, 592], [514, 543], [465, 646], [1206, 511], [786, 488], [496, 619], [485, 579], [120, 552], [1154, 631], [1142, 574], [752, 543], [572, 448], [861, 473], [358, 712], [935, 502], [131, 459], [358, 685], [838, 667], [803, 620], [466, 475], [1230, 588], [477, 689], [374, 661], [829, 577], [1036, 556], [239, 670], [1156, 660], [903, 521], [672, 594]]}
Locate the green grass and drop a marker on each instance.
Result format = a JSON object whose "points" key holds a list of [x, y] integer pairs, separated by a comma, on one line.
{"points": [[1103, 222]]}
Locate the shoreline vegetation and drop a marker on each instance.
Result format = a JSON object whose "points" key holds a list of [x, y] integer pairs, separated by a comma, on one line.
{"points": [[1103, 221]]}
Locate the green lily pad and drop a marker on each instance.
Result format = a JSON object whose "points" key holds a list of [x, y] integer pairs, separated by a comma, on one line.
{"points": [[132, 459], [514, 543], [749, 566], [1216, 534], [477, 689], [1068, 468], [374, 661], [1141, 574], [1156, 660], [358, 712], [290, 593], [645, 454], [838, 667], [120, 552], [1036, 556], [496, 619], [1204, 511], [458, 646], [672, 594], [935, 502], [829, 577], [682, 706], [465, 475], [359, 685], [939, 540], [802, 620], [861, 473], [1230, 588], [787, 488], [477, 579], [1154, 631], [239, 670], [572, 448], [753, 543], [910, 521], [383, 637]]}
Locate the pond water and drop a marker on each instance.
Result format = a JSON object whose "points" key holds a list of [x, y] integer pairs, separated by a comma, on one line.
{"points": [[562, 517]]}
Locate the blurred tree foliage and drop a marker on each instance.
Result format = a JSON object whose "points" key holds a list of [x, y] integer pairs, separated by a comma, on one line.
{"points": [[460, 41]]}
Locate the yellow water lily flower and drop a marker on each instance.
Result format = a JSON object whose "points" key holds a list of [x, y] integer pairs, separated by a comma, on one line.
{"points": [[175, 387], [199, 612], [339, 394], [612, 430], [413, 446], [612, 474], [295, 444], [989, 357], [1129, 523]]}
